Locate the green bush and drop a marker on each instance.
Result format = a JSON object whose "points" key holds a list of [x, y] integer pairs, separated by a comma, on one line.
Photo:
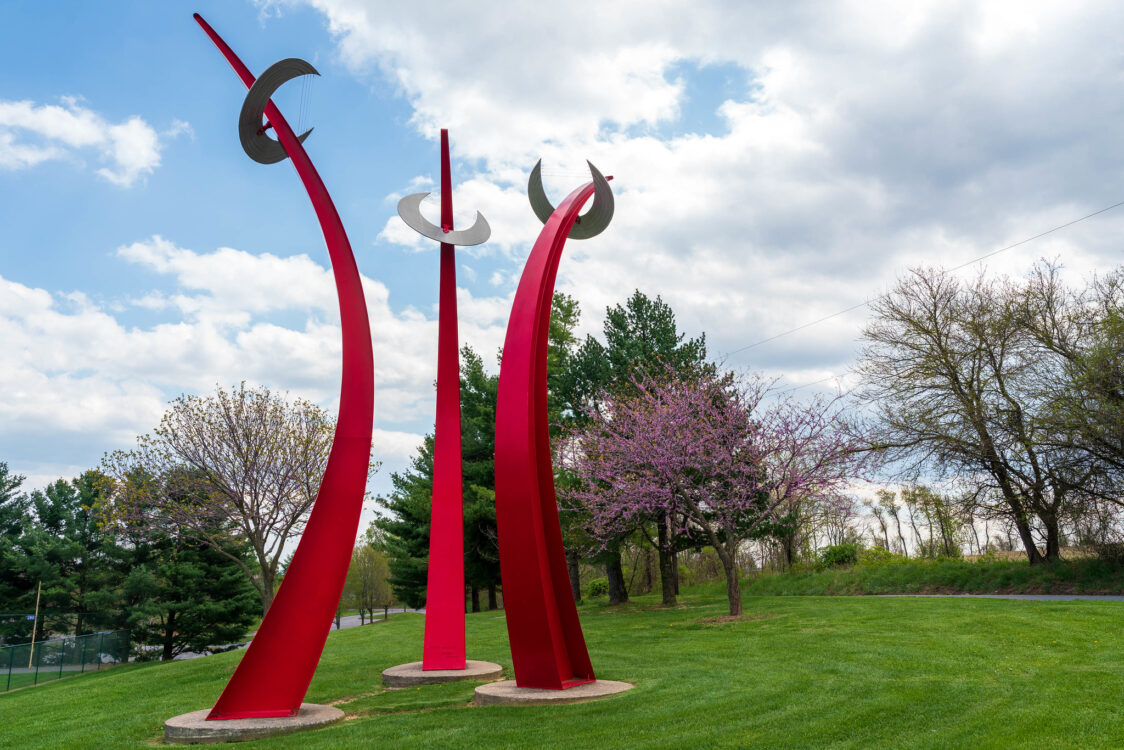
{"points": [[598, 587], [839, 555], [876, 556]]}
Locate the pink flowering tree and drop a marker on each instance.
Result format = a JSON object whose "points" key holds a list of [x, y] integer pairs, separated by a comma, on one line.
{"points": [[705, 452]]}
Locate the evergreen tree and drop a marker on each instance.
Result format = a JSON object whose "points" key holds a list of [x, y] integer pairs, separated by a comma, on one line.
{"points": [[14, 578], [65, 546], [182, 595], [406, 526], [641, 339]]}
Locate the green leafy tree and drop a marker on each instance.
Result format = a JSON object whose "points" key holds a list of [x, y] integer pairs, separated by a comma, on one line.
{"points": [[406, 523], [14, 578], [255, 461], [367, 587], [182, 595], [405, 526], [641, 339], [478, 446], [65, 546]]}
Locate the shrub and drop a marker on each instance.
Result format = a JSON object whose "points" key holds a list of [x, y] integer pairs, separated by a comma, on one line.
{"points": [[838, 555], [878, 556], [598, 587]]}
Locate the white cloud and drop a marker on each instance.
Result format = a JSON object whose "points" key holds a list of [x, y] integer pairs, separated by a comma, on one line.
{"points": [[130, 149], [77, 374], [863, 138]]}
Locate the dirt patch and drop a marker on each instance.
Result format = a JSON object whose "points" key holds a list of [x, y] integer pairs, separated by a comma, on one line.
{"points": [[733, 618]]}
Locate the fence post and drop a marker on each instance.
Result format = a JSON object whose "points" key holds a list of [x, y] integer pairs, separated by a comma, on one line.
{"points": [[11, 655], [101, 642], [84, 639], [62, 656], [38, 658]]}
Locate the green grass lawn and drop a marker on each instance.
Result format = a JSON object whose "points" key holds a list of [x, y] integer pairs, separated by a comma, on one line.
{"points": [[1082, 576], [795, 672]]}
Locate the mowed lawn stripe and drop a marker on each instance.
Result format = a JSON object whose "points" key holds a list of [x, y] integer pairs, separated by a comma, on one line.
{"points": [[794, 672]]}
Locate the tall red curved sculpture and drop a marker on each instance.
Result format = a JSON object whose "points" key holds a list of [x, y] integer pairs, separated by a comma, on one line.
{"points": [[443, 645], [547, 645], [274, 674]]}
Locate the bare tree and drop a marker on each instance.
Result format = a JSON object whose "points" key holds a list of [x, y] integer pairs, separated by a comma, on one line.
{"points": [[249, 464], [953, 375], [1080, 340]]}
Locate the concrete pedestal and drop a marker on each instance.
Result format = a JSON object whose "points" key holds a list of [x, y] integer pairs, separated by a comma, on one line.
{"points": [[507, 693], [412, 674], [194, 729]]}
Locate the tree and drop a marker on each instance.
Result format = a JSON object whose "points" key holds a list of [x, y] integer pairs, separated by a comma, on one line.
{"points": [[14, 578], [955, 379], [478, 448], [406, 524], [641, 338], [677, 449], [1079, 336], [251, 465], [405, 527], [65, 547], [812, 454], [367, 587], [182, 595]]}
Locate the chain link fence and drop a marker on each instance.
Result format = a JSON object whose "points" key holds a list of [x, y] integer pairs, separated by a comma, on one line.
{"points": [[31, 664]]}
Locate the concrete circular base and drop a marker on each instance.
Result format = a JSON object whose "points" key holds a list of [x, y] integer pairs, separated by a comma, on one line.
{"points": [[409, 675], [194, 729], [507, 693]]}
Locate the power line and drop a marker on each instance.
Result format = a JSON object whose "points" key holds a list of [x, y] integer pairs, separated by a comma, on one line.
{"points": [[955, 268]]}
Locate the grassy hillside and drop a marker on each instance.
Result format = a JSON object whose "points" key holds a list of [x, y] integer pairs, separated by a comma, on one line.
{"points": [[795, 672], [1079, 576]]}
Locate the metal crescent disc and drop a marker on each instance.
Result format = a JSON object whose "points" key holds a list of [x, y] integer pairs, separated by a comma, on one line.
{"points": [[258, 146], [594, 221], [540, 204], [409, 208], [590, 224]]}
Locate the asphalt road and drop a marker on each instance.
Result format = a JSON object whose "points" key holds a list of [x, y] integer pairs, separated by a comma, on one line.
{"points": [[1023, 597], [347, 621]]}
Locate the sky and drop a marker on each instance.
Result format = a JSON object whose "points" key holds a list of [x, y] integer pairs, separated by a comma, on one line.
{"points": [[773, 164]]}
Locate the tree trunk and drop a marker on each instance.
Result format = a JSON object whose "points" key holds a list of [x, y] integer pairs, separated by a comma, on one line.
{"points": [[788, 546], [913, 525], [492, 597], [169, 636], [648, 582], [733, 589], [1053, 536], [1032, 554], [618, 594], [901, 537], [667, 579], [266, 591], [675, 571], [475, 599], [386, 612], [572, 567]]}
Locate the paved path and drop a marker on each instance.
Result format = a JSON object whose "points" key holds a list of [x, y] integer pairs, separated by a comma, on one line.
{"points": [[347, 621], [1023, 597]]}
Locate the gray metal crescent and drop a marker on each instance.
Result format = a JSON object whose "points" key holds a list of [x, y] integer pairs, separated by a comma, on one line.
{"points": [[589, 224], [409, 208], [259, 146]]}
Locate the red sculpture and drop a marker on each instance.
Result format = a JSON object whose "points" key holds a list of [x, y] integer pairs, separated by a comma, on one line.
{"points": [[547, 646], [274, 674], [443, 646]]}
